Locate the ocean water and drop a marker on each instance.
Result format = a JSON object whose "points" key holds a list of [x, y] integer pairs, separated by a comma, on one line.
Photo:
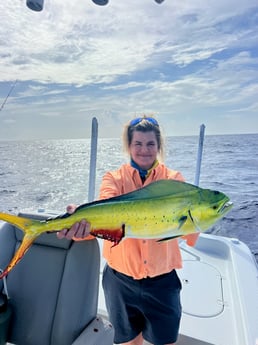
{"points": [[49, 174]]}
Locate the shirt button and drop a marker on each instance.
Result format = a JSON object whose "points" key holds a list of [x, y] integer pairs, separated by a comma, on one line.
{"points": [[145, 261], [144, 241]]}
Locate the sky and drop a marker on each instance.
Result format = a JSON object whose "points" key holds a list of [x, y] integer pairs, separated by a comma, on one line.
{"points": [[185, 62]]}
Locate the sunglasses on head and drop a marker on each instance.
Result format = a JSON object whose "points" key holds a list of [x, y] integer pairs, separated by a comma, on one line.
{"points": [[135, 122]]}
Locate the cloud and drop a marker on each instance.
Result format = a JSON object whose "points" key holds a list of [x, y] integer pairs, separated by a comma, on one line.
{"points": [[81, 43], [75, 60]]}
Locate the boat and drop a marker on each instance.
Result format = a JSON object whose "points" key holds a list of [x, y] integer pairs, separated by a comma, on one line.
{"points": [[219, 293], [219, 286]]}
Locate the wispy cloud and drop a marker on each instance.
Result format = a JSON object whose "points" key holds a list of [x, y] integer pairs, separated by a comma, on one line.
{"points": [[75, 60]]}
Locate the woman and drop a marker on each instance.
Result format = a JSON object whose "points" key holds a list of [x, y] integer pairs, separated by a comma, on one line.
{"points": [[141, 286]]}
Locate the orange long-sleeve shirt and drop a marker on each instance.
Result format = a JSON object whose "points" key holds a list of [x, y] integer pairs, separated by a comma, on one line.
{"points": [[136, 257]]}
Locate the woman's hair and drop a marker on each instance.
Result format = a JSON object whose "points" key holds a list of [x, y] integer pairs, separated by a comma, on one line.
{"points": [[143, 124]]}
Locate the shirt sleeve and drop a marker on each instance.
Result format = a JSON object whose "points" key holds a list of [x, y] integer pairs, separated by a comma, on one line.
{"points": [[109, 187], [175, 175], [191, 239]]}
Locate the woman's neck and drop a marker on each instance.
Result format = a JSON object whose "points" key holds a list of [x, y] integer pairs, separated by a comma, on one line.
{"points": [[144, 173]]}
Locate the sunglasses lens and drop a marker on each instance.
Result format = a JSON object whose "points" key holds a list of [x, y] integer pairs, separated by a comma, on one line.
{"points": [[135, 122]]}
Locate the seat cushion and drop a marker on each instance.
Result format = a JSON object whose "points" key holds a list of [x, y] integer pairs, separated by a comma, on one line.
{"points": [[53, 289]]}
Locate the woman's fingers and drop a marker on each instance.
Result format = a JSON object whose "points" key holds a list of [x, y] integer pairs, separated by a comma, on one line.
{"points": [[61, 234], [79, 230], [71, 208]]}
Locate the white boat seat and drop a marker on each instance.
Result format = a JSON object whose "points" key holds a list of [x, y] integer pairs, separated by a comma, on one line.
{"points": [[54, 291]]}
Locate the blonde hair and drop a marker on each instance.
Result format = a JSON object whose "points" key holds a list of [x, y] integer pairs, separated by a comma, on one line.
{"points": [[143, 124]]}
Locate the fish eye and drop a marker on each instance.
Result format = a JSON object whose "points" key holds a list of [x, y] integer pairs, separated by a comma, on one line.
{"points": [[214, 207]]}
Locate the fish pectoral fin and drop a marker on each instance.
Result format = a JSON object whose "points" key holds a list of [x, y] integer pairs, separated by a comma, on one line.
{"points": [[25, 245], [168, 238], [182, 221]]}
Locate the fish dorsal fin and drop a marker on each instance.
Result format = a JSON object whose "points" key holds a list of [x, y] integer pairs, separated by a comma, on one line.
{"points": [[157, 189], [160, 189]]}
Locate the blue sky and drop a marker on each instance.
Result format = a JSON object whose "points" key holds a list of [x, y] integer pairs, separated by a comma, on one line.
{"points": [[188, 62]]}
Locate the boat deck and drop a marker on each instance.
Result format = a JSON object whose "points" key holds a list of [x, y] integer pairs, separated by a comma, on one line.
{"points": [[214, 277]]}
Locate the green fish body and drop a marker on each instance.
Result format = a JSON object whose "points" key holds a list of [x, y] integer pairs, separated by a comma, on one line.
{"points": [[164, 209]]}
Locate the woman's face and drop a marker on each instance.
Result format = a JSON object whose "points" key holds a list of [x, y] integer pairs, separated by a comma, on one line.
{"points": [[144, 149]]}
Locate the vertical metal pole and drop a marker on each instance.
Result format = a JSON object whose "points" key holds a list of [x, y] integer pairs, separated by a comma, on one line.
{"points": [[93, 159], [199, 155]]}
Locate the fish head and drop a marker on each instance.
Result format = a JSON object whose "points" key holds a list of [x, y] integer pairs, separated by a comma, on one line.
{"points": [[211, 207]]}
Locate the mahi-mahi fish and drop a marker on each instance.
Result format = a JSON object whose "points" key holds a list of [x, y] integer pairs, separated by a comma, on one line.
{"points": [[162, 210]]}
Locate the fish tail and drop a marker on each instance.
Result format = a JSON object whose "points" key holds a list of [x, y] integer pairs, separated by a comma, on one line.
{"points": [[26, 243], [22, 223], [26, 225]]}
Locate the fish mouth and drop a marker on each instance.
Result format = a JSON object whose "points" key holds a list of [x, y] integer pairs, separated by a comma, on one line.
{"points": [[226, 206]]}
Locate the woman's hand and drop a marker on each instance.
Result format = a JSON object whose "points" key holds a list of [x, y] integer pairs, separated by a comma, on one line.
{"points": [[78, 231]]}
